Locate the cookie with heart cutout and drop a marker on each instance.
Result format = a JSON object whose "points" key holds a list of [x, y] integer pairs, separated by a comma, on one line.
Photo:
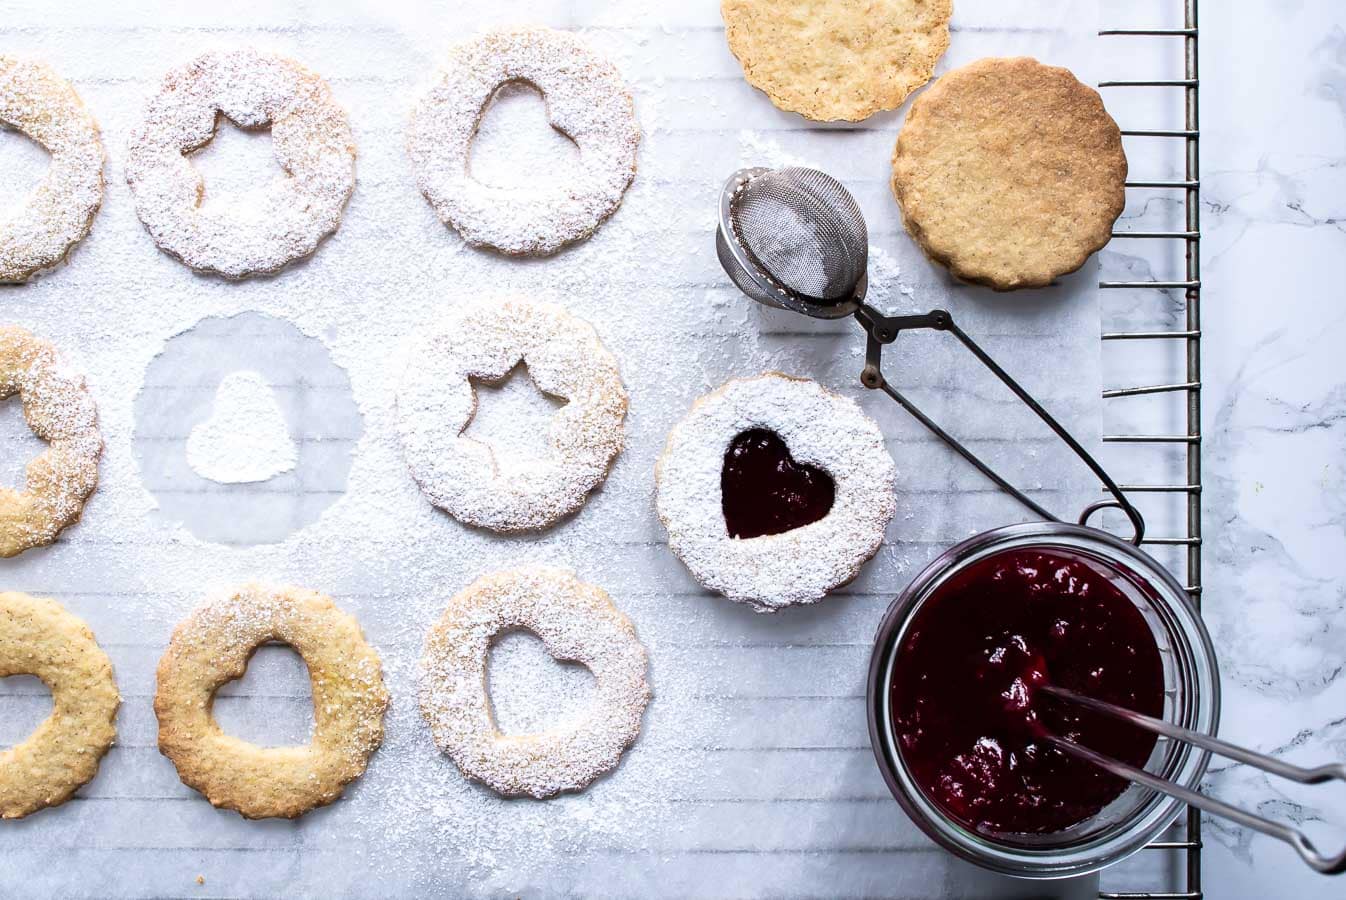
{"points": [[775, 491]]}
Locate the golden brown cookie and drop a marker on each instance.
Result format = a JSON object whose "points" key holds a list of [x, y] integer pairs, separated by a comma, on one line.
{"points": [[38, 637], [57, 214], [213, 645], [837, 59], [58, 408], [1009, 172]]}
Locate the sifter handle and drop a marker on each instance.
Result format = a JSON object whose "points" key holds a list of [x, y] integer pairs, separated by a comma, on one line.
{"points": [[882, 330]]}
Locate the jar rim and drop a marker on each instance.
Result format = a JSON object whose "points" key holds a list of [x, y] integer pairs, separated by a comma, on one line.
{"points": [[1186, 765]]}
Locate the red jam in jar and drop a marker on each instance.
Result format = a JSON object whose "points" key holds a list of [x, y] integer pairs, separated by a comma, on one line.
{"points": [[971, 725]]}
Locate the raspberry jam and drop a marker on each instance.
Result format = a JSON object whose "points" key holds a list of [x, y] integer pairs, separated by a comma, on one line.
{"points": [[969, 722], [764, 491]]}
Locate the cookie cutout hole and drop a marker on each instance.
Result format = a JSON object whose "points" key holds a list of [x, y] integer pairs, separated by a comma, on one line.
{"points": [[764, 490], [20, 445], [235, 163], [272, 704], [246, 438], [529, 691], [516, 147], [23, 163], [513, 417], [25, 703]]}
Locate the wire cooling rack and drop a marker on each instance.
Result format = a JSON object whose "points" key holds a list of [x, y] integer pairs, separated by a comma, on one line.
{"points": [[1173, 347]]}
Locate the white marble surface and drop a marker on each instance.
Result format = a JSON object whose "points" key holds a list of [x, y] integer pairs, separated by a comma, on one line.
{"points": [[1274, 255]]}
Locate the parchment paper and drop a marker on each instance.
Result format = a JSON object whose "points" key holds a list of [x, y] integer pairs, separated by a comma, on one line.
{"points": [[753, 776]]}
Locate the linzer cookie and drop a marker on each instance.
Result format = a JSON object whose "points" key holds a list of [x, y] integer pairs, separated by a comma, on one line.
{"points": [[276, 222], [577, 622], [470, 479], [57, 213], [775, 491], [839, 59], [213, 645], [38, 637], [587, 100], [58, 408], [1010, 173]]}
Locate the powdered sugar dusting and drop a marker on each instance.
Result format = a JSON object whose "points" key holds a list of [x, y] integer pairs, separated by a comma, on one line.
{"points": [[437, 400], [576, 622], [821, 429], [245, 439], [273, 224], [57, 214], [59, 410], [586, 99]]}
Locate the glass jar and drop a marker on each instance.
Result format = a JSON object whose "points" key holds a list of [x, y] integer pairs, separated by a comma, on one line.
{"points": [[1191, 699]]}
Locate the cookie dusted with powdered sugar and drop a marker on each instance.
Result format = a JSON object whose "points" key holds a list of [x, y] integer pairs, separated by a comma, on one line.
{"points": [[587, 100], [58, 213], [58, 408], [775, 491], [577, 622], [272, 224], [436, 402]]}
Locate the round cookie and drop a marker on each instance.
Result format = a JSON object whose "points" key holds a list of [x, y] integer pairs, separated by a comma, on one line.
{"points": [[58, 213], [58, 409], [837, 59], [576, 622], [437, 401], [822, 434], [38, 637], [587, 100], [270, 225], [1010, 173], [213, 645]]}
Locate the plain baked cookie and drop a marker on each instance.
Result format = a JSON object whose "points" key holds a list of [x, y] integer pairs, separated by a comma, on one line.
{"points": [[837, 59], [57, 213], [479, 484], [822, 434], [273, 224], [1010, 173], [58, 409], [38, 637], [213, 645], [587, 100], [577, 622]]}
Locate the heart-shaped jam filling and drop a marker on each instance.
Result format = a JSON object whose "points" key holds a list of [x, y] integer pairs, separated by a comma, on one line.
{"points": [[764, 491]]}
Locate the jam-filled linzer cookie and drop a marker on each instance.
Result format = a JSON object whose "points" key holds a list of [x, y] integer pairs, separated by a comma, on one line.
{"points": [[58, 409], [57, 213], [437, 400], [213, 646], [273, 224], [837, 59], [577, 622], [587, 100], [38, 637], [1010, 173], [775, 491]]}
